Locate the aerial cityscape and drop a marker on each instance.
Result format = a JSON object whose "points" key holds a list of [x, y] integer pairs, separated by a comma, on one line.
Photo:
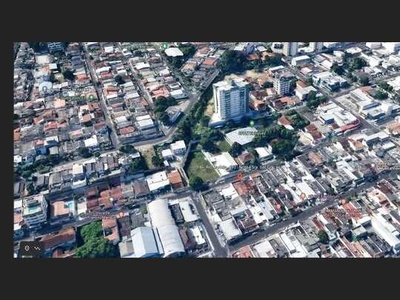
{"points": [[206, 149]]}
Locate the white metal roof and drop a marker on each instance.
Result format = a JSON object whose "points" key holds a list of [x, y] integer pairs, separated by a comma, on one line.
{"points": [[157, 181], [187, 213], [229, 229], [173, 51], [91, 142], [144, 243]]}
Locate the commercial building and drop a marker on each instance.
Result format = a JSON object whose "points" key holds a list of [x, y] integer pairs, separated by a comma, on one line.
{"points": [[162, 220], [231, 99], [157, 181], [55, 46], [143, 243]]}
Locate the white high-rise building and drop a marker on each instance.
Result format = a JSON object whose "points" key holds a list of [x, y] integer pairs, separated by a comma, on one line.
{"points": [[231, 99], [34, 210], [289, 48], [316, 46], [282, 82]]}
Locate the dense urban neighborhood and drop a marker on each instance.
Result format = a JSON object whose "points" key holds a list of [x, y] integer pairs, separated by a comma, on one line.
{"points": [[206, 149]]}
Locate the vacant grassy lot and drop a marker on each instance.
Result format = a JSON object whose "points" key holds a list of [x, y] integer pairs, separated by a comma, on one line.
{"points": [[224, 146], [197, 165]]}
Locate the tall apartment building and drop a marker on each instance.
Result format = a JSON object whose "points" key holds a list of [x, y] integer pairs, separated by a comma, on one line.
{"points": [[34, 210], [316, 46], [282, 82], [289, 48], [231, 99]]}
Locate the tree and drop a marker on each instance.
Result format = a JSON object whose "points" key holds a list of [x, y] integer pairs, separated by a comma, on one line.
{"points": [[164, 118], [293, 85], [107, 172], [283, 149], [358, 63], [236, 149], [232, 61], [171, 101], [384, 85], [363, 80], [85, 153], [157, 161], [26, 174], [205, 120], [16, 116], [68, 74], [30, 188], [269, 50], [337, 69], [91, 231], [196, 183], [119, 79], [127, 149], [97, 154], [97, 248], [381, 95], [138, 164], [323, 237], [309, 80], [268, 84]]}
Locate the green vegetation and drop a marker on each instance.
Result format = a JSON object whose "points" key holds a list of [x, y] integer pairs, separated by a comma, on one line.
{"points": [[298, 122], [381, 95], [363, 80], [384, 85], [236, 62], [119, 79], [268, 84], [97, 154], [205, 120], [197, 165], [68, 74], [236, 149], [196, 183], [337, 69], [157, 161], [127, 149], [313, 101], [138, 164], [160, 107], [282, 140], [38, 46], [355, 63], [94, 244], [224, 146], [209, 137], [85, 153], [323, 237]]}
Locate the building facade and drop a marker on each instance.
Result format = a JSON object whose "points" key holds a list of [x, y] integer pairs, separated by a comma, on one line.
{"points": [[289, 48], [231, 99], [34, 211], [282, 83]]}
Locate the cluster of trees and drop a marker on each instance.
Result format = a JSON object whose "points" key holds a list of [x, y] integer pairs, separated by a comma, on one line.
{"points": [[43, 165], [68, 74], [196, 183], [208, 139], [323, 237], [236, 149], [38, 46], [94, 244], [160, 107], [236, 62], [119, 79], [380, 95], [85, 152], [385, 86], [188, 50], [313, 101], [138, 164], [364, 80], [337, 69], [185, 128], [284, 141], [298, 122], [127, 149], [355, 63]]}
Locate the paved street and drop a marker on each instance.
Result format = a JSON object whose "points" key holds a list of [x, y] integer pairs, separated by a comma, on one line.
{"points": [[113, 133]]}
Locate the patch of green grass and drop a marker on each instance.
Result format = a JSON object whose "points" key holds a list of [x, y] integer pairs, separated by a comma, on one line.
{"points": [[199, 166], [224, 146]]}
